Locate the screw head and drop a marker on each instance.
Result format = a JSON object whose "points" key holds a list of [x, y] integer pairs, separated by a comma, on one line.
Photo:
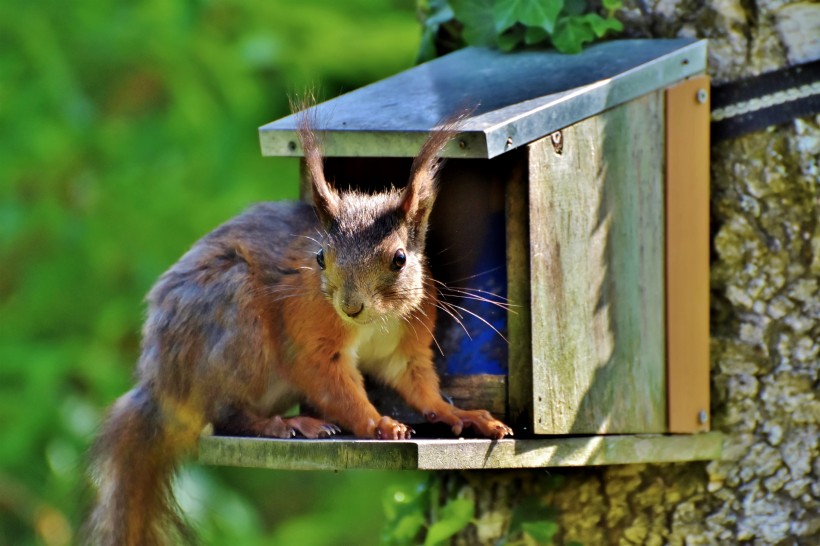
{"points": [[702, 95], [557, 139]]}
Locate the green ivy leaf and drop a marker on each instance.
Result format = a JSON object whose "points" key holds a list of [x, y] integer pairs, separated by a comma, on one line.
{"points": [[534, 13], [510, 39], [478, 21], [540, 531], [435, 14], [535, 35], [571, 34], [439, 12], [427, 45], [600, 26], [575, 7], [454, 517]]}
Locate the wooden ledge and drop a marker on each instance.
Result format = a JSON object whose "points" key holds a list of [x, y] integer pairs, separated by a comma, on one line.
{"points": [[457, 454]]}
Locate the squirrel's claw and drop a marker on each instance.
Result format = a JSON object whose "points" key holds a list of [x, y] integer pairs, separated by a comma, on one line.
{"points": [[390, 429], [482, 421], [310, 427], [328, 430]]}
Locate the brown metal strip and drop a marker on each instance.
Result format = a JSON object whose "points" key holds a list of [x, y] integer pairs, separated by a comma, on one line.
{"points": [[687, 254]]}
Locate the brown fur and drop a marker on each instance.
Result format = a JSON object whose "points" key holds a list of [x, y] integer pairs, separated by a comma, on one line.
{"points": [[247, 323]]}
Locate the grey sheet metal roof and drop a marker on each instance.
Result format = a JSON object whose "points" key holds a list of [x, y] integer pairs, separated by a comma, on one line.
{"points": [[518, 97]]}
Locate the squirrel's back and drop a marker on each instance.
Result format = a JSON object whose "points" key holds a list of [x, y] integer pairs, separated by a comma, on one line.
{"points": [[279, 305]]}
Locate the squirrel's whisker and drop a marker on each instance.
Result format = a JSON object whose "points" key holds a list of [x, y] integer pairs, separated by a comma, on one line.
{"points": [[482, 320], [444, 308]]}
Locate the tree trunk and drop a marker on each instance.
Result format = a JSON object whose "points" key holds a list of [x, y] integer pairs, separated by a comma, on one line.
{"points": [[765, 321]]}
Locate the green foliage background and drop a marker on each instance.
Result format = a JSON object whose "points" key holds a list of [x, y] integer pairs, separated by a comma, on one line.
{"points": [[127, 130]]}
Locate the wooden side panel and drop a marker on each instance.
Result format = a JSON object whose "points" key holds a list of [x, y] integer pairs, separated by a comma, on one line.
{"points": [[687, 259], [520, 393], [597, 269]]}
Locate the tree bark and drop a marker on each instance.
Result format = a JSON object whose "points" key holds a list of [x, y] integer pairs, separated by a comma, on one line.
{"points": [[765, 324]]}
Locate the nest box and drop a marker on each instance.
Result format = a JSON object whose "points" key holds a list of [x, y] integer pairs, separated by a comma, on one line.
{"points": [[576, 195]]}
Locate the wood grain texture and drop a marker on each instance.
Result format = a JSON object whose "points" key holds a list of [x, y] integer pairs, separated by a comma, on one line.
{"points": [[687, 258], [453, 453], [519, 383], [597, 270], [479, 391]]}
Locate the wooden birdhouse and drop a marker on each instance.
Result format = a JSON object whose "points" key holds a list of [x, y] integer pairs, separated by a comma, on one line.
{"points": [[571, 235]]}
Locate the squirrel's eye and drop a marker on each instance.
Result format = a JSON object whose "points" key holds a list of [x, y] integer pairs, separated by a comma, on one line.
{"points": [[320, 258], [399, 259]]}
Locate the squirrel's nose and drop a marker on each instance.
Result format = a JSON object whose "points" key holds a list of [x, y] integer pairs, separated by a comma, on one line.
{"points": [[352, 311]]}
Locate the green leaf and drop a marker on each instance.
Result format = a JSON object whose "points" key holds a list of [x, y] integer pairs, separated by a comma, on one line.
{"points": [[571, 34], [540, 531], [535, 35], [575, 7], [600, 26], [437, 13], [477, 18], [534, 13], [612, 5], [404, 509], [454, 517], [406, 529], [440, 12], [427, 45], [510, 39]]}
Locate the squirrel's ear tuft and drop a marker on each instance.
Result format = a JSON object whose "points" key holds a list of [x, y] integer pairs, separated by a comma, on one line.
{"points": [[420, 193], [325, 199]]}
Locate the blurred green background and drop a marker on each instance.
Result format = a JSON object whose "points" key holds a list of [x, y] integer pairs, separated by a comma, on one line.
{"points": [[128, 130]]}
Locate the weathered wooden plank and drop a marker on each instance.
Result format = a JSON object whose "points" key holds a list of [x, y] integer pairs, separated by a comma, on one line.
{"points": [[478, 391], [597, 269], [301, 454], [346, 454], [519, 382], [687, 254]]}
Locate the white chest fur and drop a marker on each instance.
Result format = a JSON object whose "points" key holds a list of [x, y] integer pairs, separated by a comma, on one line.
{"points": [[376, 349]]}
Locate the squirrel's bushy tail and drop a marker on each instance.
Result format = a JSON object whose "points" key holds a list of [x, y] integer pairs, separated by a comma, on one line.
{"points": [[132, 465]]}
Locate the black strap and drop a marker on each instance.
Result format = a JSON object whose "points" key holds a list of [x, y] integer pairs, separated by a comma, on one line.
{"points": [[773, 98]]}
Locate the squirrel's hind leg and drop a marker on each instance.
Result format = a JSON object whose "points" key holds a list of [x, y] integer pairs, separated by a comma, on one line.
{"points": [[241, 422], [311, 427]]}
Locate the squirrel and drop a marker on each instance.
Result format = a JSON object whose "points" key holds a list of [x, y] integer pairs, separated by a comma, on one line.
{"points": [[289, 302]]}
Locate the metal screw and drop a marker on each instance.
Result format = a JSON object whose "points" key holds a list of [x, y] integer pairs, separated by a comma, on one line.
{"points": [[462, 144], [557, 139], [509, 142], [702, 95], [702, 417], [292, 146]]}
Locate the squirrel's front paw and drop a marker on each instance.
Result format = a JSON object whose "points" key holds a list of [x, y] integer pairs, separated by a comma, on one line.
{"points": [[390, 429]]}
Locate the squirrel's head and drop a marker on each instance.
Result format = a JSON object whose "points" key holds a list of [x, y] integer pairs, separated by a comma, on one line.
{"points": [[372, 246]]}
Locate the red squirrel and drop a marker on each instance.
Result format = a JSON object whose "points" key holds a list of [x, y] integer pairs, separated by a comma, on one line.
{"points": [[287, 302]]}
